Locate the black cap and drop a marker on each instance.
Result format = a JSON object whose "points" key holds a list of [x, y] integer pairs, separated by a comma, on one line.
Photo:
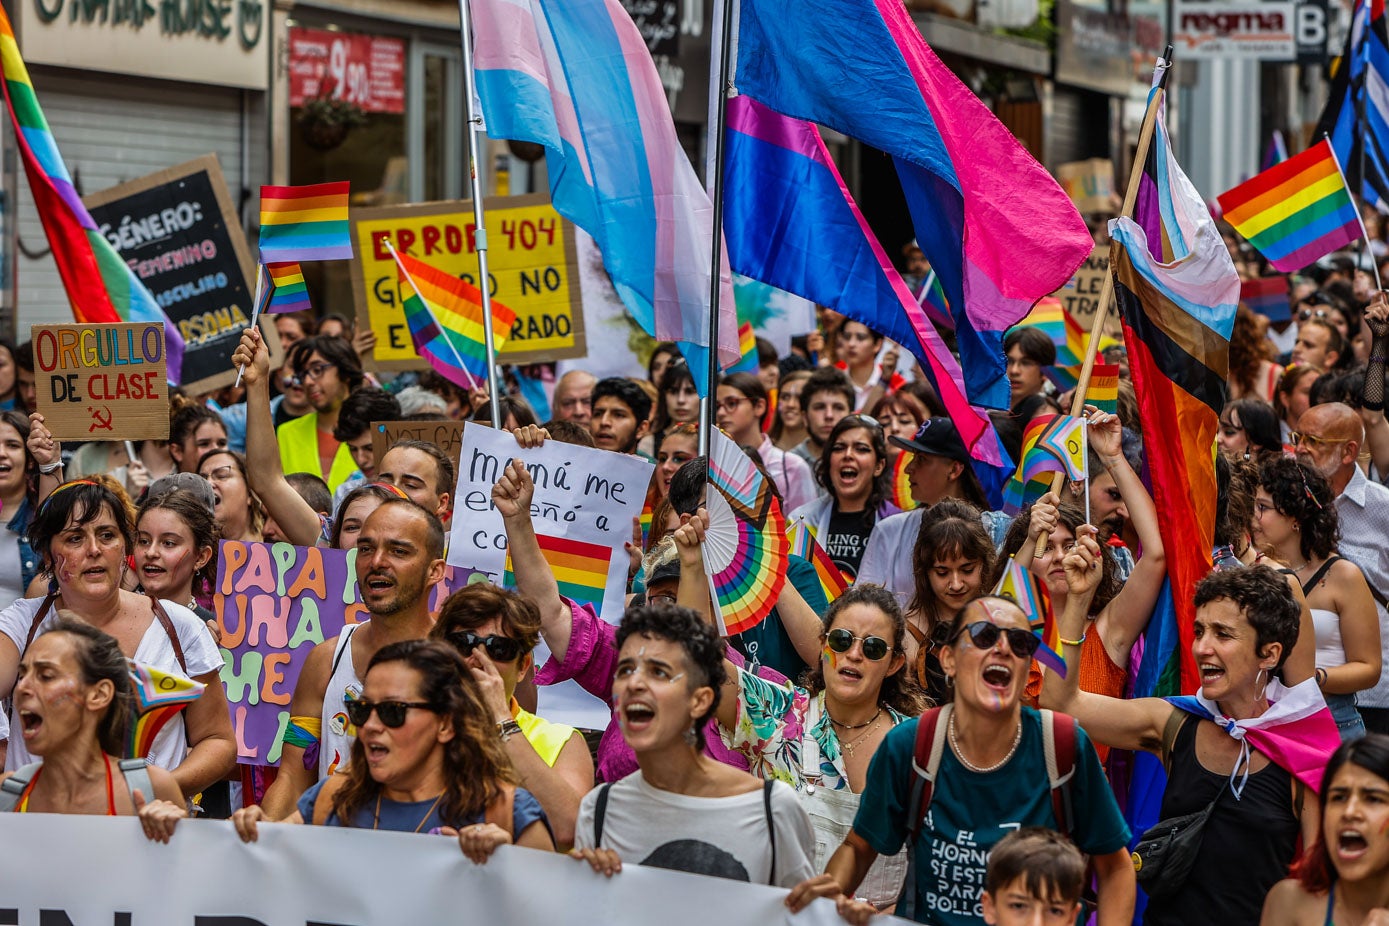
{"points": [[936, 436]]}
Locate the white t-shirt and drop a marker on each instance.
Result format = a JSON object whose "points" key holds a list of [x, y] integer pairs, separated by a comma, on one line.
{"points": [[725, 837], [155, 649]]}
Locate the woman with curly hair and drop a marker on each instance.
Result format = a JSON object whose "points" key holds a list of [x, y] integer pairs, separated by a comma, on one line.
{"points": [[952, 559], [1296, 526], [1253, 374], [427, 758]]}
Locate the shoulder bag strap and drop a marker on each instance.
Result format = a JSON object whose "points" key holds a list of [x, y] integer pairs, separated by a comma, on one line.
{"points": [[344, 647], [162, 616], [1175, 720], [12, 789], [600, 810], [137, 778], [1319, 574], [38, 618], [771, 826]]}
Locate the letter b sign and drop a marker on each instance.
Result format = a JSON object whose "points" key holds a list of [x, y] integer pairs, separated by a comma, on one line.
{"points": [[1311, 25]]}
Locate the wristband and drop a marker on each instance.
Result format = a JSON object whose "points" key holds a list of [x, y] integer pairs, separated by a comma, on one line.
{"points": [[1321, 677], [49, 468], [1072, 642], [508, 728]]}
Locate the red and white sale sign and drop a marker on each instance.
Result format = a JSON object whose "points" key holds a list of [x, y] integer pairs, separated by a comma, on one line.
{"points": [[363, 69]]}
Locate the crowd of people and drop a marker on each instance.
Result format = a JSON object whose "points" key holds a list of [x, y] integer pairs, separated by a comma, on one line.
{"points": [[895, 747]]}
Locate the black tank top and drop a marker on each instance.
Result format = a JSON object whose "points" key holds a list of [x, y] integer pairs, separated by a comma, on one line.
{"points": [[1247, 845]]}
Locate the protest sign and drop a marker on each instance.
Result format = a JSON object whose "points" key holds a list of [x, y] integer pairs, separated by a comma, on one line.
{"points": [[585, 500], [275, 603], [179, 232], [531, 262], [102, 382], [446, 435], [1089, 184], [94, 871]]}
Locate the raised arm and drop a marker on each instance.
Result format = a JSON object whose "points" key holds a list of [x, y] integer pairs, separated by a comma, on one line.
{"points": [[1132, 724], [512, 496], [694, 594], [47, 454], [297, 520], [1124, 618]]}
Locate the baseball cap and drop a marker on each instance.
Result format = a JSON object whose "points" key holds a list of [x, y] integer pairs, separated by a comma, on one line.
{"points": [[189, 482], [937, 436]]}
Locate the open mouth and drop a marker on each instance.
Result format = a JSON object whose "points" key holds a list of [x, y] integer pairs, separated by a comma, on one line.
{"points": [[1211, 673], [1351, 844], [848, 473], [150, 571], [30, 722], [998, 677], [850, 673], [379, 583], [376, 752], [638, 716]]}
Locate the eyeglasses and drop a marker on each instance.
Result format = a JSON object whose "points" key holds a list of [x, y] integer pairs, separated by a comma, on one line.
{"points": [[392, 713], [1300, 438], [841, 641], [731, 405], [220, 474], [500, 648], [663, 598], [314, 372], [1307, 314], [984, 635]]}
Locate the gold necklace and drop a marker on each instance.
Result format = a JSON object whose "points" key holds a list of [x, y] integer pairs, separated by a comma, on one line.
{"points": [[849, 747], [376, 817]]}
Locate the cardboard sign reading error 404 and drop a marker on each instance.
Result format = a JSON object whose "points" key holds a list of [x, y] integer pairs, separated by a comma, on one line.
{"points": [[102, 382], [532, 263]]}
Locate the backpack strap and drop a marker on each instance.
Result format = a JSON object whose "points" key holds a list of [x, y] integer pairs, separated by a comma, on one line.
{"points": [[501, 811], [1175, 720], [931, 729], [771, 827], [137, 778], [38, 619], [323, 804], [1059, 749], [12, 789], [163, 617], [600, 810]]}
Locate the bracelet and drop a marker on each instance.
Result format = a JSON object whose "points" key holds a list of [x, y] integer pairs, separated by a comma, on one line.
{"points": [[1072, 642], [49, 468], [508, 728], [1321, 677]]}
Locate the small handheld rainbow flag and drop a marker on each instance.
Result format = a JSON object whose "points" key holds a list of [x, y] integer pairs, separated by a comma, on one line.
{"points": [[1065, 438], [901, 482], [1018, 585], [1297, 211], [299, 223], [290, 293], [580, 568], [803, 544], [1045, 449], [159, 696], [445, 318]]}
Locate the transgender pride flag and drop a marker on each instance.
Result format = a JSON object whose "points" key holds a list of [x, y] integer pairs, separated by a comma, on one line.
{"points": [[575, 76]]}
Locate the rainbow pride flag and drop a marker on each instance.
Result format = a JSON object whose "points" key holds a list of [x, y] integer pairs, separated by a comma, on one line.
{"points": [[100, 287], [159, 696], [580, 568], [747, 351], [1045, 449], [1297, 211], [289, 292], [901, 483], [300, 223], [1104, 387], [803, 544], [445, 318]]}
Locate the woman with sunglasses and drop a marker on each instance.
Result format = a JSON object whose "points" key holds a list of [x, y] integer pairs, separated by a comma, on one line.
{"points": [[819, 737], [1246, 750], [427, 759], [1296, 527], [992, 779], [1343, 878], [495, 631], [84, 533], [853, 471], [240, 514]]}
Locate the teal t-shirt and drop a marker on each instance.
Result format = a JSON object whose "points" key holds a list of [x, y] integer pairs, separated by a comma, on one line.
{"points": [[767, 644], [970, 812]]}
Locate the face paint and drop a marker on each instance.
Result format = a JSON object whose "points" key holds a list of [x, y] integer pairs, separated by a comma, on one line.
{"points": [[831, 657]]}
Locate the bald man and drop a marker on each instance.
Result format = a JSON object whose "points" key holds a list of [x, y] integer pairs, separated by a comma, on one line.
{"points": [[574, 397], [1329, 438]]}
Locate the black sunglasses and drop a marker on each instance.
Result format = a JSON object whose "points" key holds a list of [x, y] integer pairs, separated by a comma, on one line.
{"points": [[392, 713], [841, 641], [501, 649], [984, 635]]}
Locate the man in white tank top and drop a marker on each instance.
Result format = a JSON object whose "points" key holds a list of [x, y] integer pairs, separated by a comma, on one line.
{"points": [[400, 557]]}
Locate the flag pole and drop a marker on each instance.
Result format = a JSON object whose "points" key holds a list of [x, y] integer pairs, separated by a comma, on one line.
{"points": [[1355, 202], [475, 158], [255, 314], [717, 127], [1087, 369], [443, 332]]}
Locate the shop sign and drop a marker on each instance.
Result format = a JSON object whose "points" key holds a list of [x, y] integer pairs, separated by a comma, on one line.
{"points": [[532, 269], [178, 231], [196, 41], [365, 70], [1263, 31]]}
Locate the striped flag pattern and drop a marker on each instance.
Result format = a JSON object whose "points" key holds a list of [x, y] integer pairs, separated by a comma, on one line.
{"points": [[299, 223], [1297, 211], [444, 315], [289, 292], [580, 568], [1361, 83]]}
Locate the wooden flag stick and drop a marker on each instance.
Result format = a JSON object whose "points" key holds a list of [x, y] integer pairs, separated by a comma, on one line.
{"points": [[1145, 142]]}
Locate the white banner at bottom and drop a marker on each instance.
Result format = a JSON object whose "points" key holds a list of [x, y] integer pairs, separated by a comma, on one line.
{"points": [[95, 871]]}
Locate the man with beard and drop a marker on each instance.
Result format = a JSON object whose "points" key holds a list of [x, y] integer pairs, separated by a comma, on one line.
{"points": [[400, 557], [329, 370], [1328, 439], [621, 415]]}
